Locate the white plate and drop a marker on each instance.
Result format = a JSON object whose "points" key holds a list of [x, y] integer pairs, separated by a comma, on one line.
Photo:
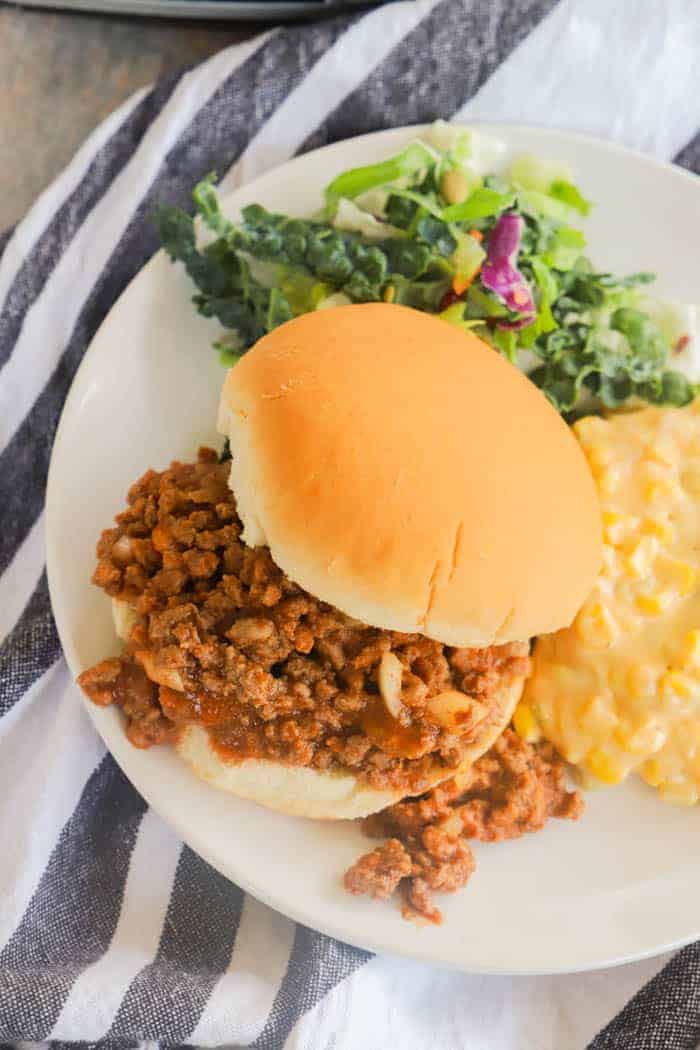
{"points": [[620, 885]]}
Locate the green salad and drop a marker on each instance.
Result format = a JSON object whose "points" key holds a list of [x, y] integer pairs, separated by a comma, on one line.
{"points": [[434, 228]]}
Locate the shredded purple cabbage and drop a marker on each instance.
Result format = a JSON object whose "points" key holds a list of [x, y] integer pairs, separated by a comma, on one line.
{"points": [[500, 274]]}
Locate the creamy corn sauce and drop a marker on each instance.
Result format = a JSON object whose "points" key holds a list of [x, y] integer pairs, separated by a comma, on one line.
{"points": [[619, 690]]}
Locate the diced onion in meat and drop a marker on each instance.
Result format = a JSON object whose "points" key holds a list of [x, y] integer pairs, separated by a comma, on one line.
{"points": [[390, 675], [121, 551], [157, 673], [451, 708]]}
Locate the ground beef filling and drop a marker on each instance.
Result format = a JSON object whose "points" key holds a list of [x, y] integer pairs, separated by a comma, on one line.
{"points": [[514, 788], [271, 671]]}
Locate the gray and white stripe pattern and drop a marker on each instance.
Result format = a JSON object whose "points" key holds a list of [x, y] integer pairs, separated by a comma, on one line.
{"points": [[111, 931]]}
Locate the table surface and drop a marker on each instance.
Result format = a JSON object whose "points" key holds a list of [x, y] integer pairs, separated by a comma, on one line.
{"points": [[61, 73]]}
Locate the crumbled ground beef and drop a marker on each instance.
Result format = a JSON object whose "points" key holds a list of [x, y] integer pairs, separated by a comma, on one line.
{"points": [[514, 788], [270, 670], [379, 872], [125, 683]]}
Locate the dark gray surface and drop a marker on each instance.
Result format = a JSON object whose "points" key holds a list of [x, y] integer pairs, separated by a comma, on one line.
{"points": [[61, 73], [230, 10]]}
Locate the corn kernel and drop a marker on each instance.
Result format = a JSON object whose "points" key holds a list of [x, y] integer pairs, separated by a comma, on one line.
{"points": [[690, 478], [639, 562], [644, 740], [616, 526], [679, 684], [573, 753], [622, 736], [609, 567], [651, 772], [563, 679], [689, 657], [608, 479], [641, 680], [525, 724], [662, 490], [604, 767], [597, 715], [584, 779], [612, 517], [659, 527], [662, 450], [654, 604], [597, 626], [596, 470], [688, 578], [600, 455], [682, 573], [591, 428]]}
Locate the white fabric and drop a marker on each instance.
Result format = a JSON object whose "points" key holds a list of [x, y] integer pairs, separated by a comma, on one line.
{"points": [[334, 76], [625, 70], [41, 780], [394, 1003], [95, 997], [258, 963], [21, 576]]}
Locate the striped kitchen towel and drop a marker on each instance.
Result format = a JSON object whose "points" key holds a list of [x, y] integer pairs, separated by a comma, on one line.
{"points": [[111, 931]]}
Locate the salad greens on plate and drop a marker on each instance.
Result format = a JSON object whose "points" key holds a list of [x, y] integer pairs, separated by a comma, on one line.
{"points": [[444, 227]]}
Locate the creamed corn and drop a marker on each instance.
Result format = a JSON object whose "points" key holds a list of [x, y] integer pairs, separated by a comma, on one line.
{"points": [[619, 690]]}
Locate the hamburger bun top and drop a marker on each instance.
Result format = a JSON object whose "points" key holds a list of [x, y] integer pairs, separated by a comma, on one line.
{"points": [[401, 470]]}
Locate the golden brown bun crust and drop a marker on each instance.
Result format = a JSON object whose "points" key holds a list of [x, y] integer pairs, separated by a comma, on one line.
{"points": [[304, 792], [403, 471]]}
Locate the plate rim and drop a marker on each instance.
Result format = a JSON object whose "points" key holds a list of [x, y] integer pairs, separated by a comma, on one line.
{"points": [[182, 828]]}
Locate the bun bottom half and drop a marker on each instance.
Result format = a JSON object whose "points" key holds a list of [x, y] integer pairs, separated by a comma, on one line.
{"points": [[300, 791]]}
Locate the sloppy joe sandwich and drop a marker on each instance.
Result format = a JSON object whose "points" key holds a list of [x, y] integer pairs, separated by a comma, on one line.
{"points": [[339, 616]]}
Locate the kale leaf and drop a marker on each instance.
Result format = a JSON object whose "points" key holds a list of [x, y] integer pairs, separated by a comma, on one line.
{"points": [[226, 287]]}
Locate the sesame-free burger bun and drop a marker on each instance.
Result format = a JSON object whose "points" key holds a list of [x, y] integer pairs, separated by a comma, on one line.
{"points": [[301, 791], [298, 790], [403, 471]]}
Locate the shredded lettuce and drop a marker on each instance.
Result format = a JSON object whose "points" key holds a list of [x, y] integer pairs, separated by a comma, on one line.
{"points": [[483, 203], [464, 148], [302, 291], [570, 195], [352, 219], [564, 246], [336, 299], [455, 315], [416, 157], [530, 172], [468, 255], [548, 290], [539, 205]]}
